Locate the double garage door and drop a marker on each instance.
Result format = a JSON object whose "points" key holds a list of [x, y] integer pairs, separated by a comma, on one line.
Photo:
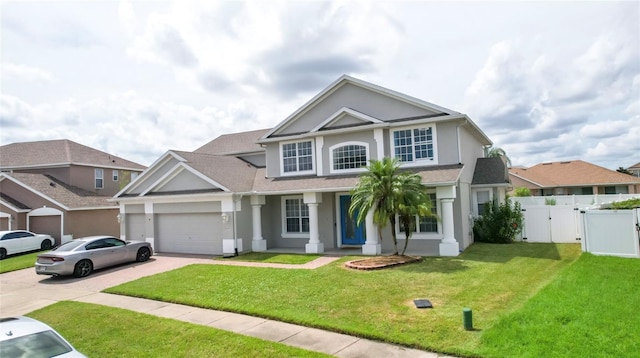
{"points": [[189, 233]]}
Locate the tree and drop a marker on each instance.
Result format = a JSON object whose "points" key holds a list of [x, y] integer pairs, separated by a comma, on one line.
{"points": [[413, 202], [496, 152], [522, 191], [623, 171], [388, 192]]}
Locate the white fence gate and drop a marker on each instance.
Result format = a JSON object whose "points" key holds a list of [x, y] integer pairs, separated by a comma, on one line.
{"points": [[547, 223], [611, 232]]}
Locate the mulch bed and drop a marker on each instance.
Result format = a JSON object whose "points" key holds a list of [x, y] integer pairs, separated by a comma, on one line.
{"points": [[379, 262]]}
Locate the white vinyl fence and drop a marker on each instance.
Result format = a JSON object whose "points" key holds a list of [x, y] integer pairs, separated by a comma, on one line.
{"points": [[551, 223], [577, 201], [611, 232], [575, 219]]}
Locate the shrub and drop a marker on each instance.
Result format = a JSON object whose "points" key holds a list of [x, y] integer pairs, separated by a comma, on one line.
{"points": [[499, 224], [550, 201], [627, 204], [522, 191]]}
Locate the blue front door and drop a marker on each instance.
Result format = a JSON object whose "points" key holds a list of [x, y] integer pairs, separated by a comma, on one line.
{"points": [[352, 234]]}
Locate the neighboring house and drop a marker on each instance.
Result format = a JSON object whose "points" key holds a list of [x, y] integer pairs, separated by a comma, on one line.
{"points": [[288, 187], [635, 169], [574, 177], [60, 187]]}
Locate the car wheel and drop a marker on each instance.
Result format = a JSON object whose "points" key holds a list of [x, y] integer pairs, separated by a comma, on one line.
{"points": [[143, 254], [46, 245], [83, 268], [3, 254]]}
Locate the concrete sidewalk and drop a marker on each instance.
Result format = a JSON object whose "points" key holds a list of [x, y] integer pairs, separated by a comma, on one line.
{"points": [[336, 344], [23, 291]]}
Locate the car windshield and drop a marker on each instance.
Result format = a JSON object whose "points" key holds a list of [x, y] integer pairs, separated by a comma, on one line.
{"points": [[41, 344], [69, 246]]}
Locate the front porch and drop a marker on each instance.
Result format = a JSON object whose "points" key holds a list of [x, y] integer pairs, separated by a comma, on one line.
{"points": [[318, 223]]}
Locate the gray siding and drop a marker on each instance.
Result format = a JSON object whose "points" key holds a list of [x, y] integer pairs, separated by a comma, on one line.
{"points": [[329, 141], [244, 224], [273, 160], [185, 181], [371, 103], [149, 180], [447, 143]]}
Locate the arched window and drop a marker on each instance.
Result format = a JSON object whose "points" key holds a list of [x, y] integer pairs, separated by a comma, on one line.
{"points": [[349, 156]]}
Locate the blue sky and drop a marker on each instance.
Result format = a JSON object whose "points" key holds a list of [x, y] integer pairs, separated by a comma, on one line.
{"points": [[546, 81]]}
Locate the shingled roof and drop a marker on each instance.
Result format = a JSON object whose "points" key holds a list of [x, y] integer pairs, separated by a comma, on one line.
{"points": [[572, 173], [234, 143], [69, 196], [231, 172], [490, 171], [59, 152]]}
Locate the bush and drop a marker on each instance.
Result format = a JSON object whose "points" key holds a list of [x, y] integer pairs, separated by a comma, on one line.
{"points": [[522, 191], [550, 201], [627, 204], [499, 224]]}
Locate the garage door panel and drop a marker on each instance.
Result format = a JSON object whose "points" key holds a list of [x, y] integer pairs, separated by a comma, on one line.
{"points": [[193, 233]]}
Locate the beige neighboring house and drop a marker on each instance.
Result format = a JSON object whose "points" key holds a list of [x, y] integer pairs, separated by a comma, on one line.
{"points": [[575, 177], [61, 188], [287, 187], [635, 169]]}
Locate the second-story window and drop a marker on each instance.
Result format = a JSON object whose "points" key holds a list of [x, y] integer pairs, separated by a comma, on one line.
{"points": [[297, 157], [99, 175], [349, 156], [414, 145], [114, 175]]}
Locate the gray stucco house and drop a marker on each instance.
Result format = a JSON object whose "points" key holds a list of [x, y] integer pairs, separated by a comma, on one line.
{"points": [[287, 187]]}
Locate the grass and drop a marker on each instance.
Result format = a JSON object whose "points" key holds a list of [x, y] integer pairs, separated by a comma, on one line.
{"points": [[295, 259], [99, 331], [589, 310], [493, 280], [19, 262]]}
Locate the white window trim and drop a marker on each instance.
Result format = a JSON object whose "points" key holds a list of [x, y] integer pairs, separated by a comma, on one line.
{"points": [[474, 198], [423, 235], [284, 233], [313, 158], [421, 162], [115, 175], [332, 170], [96, 177]]}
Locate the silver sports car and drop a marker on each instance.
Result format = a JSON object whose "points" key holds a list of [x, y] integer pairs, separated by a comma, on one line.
{"points": [[81, 256]]}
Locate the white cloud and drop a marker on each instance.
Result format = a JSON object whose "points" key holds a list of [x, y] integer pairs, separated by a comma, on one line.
{"points": [[11, 71], [290, 47], [129, 125]]}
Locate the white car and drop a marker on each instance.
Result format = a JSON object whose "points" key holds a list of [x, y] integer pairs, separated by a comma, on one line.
{"points": [[17, 241], [26, 337]]}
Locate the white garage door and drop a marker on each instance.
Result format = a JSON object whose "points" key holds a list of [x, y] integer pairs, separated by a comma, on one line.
{"points": [[135, 227], [192, 233]]}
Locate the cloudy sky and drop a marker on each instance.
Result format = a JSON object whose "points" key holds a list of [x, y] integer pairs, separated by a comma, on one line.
{"points": [[546, 81]]}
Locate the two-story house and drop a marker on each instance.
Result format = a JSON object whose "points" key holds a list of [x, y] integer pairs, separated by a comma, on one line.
{"points": [[288, 187], [60, 187]]}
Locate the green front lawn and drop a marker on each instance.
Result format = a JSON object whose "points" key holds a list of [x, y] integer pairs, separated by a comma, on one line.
{"points": [[100, 331], [18, 262], [493, 280], [295, 259], [589, 310]]}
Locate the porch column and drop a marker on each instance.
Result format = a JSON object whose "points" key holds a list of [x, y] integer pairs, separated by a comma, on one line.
{"points": [[257, 243], [314, 246], [372, 245], [149, 225], [449, 246]]}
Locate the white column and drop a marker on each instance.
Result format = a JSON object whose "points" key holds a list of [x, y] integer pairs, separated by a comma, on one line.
{"points": [[449, 246], [314, 246], [372, 245], [258, 243]]}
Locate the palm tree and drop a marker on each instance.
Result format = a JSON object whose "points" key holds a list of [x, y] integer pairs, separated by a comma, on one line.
{"points": [[497, 152], [413, 202], [388, 192]]}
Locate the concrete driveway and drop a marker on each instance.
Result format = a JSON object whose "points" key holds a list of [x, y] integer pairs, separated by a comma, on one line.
{"points": [[24, 291]]}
